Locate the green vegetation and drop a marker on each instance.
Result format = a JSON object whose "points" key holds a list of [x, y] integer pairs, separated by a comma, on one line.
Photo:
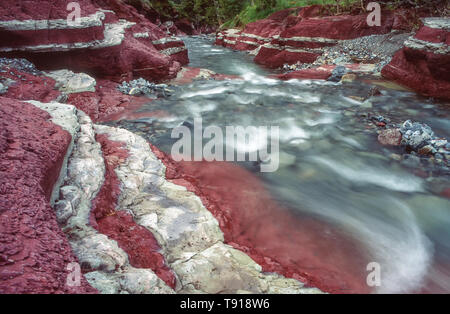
{"points": [[256, 10], [228, 13]]}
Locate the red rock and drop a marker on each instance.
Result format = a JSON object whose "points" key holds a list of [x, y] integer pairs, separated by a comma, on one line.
{"points": [[313, 74], [47, 9], [425, 72], [280, 241], [188, 75], [29, 86], [105, 102], [34, 252], [132, 56], [391, 137], [339, 27], [434, 35], [423, 64], [138, 242], [275, 58], [186, 27]]}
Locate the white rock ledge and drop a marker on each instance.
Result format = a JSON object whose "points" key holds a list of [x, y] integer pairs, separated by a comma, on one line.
{"points": [[189, 235]]}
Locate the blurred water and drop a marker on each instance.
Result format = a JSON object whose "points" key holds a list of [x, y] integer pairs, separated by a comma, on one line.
{"points": [[331, 162]]}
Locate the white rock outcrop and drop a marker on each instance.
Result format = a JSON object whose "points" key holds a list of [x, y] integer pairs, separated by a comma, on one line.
{"points": [[189, 235]]}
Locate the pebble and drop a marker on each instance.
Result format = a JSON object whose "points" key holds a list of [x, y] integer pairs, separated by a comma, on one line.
{"points": [[22, 65]]}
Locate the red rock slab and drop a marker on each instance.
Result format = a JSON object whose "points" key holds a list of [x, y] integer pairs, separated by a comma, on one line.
{"points": [[425, 72], [434, 35], [138, 242], [265, 28], [131, 59], [279, 240], [27, 86], [34, 252], [106, 103], [313, 74], [275, 58]]}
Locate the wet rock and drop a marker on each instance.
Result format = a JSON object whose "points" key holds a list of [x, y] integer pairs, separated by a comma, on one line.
{"points": [[374, 91], [348, 78], [392, 137], [415, 135], [396, 157], [337, 74], [411, 161], [438, 143], [427, 150]]}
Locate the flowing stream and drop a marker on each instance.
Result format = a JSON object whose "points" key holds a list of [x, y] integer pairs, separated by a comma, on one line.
{"points": [[331, 166]]}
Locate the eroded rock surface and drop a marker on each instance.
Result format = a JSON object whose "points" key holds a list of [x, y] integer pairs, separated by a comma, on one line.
{"points": [[301, 34], [34, 252], [423, 64], [112, 40], [189, 235]]}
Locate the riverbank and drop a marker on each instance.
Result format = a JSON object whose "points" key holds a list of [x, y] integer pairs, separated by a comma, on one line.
{"points": [[310, 45]]}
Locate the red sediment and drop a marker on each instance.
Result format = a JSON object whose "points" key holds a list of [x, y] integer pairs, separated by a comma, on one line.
{"points": [[138, 242], [34, 252], [27, 86], [280, 241]]}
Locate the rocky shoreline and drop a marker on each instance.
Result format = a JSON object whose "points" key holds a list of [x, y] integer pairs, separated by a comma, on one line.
{"points": [[310, 46]]}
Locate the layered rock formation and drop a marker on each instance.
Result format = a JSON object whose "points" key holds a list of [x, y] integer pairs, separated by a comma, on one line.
{"points": [[297, 35], [111, 39], [34, 252], [424, 62], [129, 228]]}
